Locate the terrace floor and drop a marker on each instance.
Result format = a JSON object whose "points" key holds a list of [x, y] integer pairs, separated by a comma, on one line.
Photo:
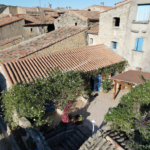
{"points": [[98, 107]]}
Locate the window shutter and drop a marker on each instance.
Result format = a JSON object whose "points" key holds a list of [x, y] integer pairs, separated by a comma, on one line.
{"points": [[136, 44], [140, 44]]}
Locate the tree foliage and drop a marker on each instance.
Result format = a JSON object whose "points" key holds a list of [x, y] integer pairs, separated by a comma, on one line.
{"points": [[30, 99]]}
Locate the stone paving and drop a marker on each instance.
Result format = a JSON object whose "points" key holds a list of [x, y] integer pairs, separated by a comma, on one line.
{"points": [[99, 107]]}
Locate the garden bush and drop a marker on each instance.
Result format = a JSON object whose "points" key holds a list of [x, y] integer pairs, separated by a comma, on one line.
{"points": [[30, 99]]}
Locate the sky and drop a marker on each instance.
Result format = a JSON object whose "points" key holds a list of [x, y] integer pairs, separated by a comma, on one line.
{"points": [[75, 4]]}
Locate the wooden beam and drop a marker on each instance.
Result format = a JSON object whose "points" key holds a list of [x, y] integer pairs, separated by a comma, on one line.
{"points": [[114, 90]]}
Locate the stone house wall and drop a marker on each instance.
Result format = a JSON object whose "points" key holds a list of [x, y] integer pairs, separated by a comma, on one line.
{"points": [[137, 59], [75, 41], [10, 9], [92, 23], [11, 30], [108, 32], [30, 30], [93, 8], [21, 11], [95, 39], [69, 19]]}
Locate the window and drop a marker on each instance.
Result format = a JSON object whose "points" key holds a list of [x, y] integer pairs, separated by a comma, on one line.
{"points": [[114, 45], [31, 30], [116, 22], [143, 13], [89, 9], [91, 40], [75, 24], [138, 44]]}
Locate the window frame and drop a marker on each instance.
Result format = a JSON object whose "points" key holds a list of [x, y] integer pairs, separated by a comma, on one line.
{"points": [[91, 40], [114, 44], [138, 44], [114, 22]]}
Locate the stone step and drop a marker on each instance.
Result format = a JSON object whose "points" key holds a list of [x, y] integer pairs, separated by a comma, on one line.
{"points": [[60, 147], [86, 131], [66, 146], [71, 144], [81, 135]]}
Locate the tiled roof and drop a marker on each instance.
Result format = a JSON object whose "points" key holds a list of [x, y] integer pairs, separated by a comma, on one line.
{"points": [[37, 19], [99, 6], [34, 9], [7, 20], [6, 41], [38, 43], [93, 15], [131, 76], [117, 6], [88, 58], [53, 14], [3, 15], [121, 2], [94, 30]]}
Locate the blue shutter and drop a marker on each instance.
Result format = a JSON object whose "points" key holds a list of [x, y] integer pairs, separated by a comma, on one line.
{"points": [[143, 13], [140, 44], [116, 45], [136, 44], [95, 84], [99, 83]]}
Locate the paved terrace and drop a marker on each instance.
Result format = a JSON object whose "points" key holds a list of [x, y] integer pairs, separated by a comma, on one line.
{"points": [[99, 107]]}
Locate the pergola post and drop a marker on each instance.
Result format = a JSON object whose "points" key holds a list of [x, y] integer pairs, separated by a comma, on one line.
{"points": [[114, 90]]}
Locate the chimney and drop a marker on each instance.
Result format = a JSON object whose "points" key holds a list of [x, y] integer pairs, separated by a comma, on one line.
{"points": [[38, 9], [10, 14], [50, 5], [102, 3], [69, 7]]}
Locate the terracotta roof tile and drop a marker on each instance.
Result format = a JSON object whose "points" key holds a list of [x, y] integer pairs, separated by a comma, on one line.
{"points": [[53, 14], [131, 76], [7, 20], [6, 41], [99, 6], [34, 9], [3, 15], [88, 58], [94, 15], [38, 43], [121, 2], [94, 30]]}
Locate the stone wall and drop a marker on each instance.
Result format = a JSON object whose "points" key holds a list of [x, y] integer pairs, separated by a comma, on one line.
{"points": [[92, 23], [75, 41], [108, 32], [93, 8], [69, 19], [17, 41], [137, 59], [11, 30], [95, 39]]}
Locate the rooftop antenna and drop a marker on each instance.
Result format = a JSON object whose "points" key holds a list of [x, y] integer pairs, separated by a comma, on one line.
{"points": [[39, 3]]}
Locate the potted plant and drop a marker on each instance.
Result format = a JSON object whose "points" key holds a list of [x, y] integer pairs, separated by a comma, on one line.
{"points": [[106, 85]]}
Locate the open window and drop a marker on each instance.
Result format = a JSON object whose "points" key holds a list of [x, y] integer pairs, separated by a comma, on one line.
{"points": [[116, 22], [76, 24], [143, 13], [91, 40], [31, 29]]}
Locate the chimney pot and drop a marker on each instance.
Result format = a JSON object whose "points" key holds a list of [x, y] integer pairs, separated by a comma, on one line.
{"points": [[38, 9], [10, 14], [102, 3], [50, 5]]}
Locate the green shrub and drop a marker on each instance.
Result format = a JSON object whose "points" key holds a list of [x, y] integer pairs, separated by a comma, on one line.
{"points": [[106, 84], [30, 99]]}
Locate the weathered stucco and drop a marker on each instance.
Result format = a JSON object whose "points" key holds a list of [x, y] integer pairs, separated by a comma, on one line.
{"points": [[75, 41], [109, 33], [137, 30], [11, 30]]}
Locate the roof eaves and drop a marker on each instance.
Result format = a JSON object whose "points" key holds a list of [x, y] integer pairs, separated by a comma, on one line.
{"points": [[75, 13]]}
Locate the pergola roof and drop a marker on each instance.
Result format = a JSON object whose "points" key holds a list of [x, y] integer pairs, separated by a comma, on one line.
{"points": [[131, 76]]}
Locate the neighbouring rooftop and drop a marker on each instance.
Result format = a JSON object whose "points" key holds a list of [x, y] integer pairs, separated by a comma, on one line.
{"points": [[7, 20], [94, 30], [132, 76], [38, 43], [87, 59], [91, 15], [35, 9]]}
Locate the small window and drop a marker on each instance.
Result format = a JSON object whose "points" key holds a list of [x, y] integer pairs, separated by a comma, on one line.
{"points": [[116, 22], [114, 45], [91, 40], [75, 24], [58, 20], [138, 44], [89, 9], [31, 29]]}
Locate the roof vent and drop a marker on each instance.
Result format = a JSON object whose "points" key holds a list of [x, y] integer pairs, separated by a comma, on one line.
{"points": [[102, 3]]}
